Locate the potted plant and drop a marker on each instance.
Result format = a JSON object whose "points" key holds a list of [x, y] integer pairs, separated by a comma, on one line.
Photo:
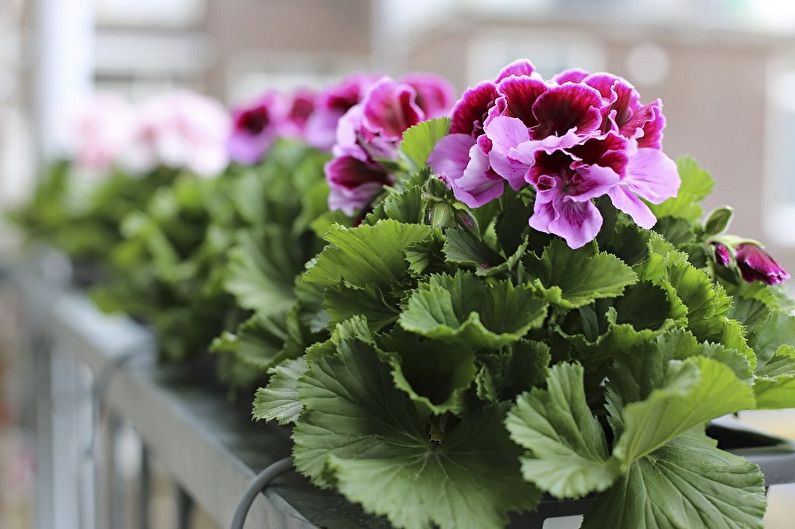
{"points": [[532, 306]]}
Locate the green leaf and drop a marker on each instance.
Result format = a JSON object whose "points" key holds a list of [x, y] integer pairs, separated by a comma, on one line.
{"points": [[694, 391], [463, 248], [696, 185], [366, 255], [419, 141], [466, 310], [262, 270], [568, 452], [257, 342], [435, 375], [707, 303], [279, 401], [405, 205], [505, 375], [574, 278], [364, 435], [774, 386], [343, 302], [688, 483]]}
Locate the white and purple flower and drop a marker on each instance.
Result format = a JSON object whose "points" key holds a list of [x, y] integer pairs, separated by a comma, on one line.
{"points": [[574, 138]]}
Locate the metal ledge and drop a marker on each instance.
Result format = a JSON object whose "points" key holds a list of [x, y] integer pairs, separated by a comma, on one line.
{"points": [[206, 442]]}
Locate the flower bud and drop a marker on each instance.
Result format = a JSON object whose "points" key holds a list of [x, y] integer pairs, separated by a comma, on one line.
{"points": [[464, 219], [718, 220], [755, 264], [441, 215], [723, 256]]}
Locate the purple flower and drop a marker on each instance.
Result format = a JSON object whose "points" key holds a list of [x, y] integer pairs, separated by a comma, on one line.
{"points": [[723, 256], [255, 127], [567, 179], [332, 104], [574, 138], [370, 132], [354, 183], [755, 264], [300, 109]]}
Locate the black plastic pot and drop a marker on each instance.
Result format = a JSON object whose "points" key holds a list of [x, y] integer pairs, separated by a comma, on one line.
{"points": [[775, 457]]}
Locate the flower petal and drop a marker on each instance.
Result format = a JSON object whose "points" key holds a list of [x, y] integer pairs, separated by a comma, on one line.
{"points": [[577, 222], [565, 107], [353, 183], [505, 134], [450, 156], [390, 108], [434, 93], [631, 205], [573, 75], [479, 184], [520, 67], [652, 175], [519, 94], [469, 113]]}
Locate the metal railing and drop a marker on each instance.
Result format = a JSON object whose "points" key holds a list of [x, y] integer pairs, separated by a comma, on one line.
{"points": [[205, 442]]}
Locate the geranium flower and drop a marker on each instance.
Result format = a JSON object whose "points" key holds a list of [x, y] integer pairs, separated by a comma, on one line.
{"points": [[501, 129], [179, 130], [370, 132], [566, 180], [755, 264], [300, 108], [462, 158], [723, 256], [102, 128], [255, 127], [331, 105]]}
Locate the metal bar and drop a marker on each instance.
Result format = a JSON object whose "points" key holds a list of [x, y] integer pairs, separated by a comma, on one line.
{"points": [[184, 508], [144, 489]]}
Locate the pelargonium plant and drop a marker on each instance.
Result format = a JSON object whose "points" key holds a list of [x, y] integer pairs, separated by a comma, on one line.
{"points": [[471, 347]]}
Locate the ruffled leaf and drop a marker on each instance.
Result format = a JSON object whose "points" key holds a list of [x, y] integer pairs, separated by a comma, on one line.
{"points": [[363, 433], [465, 309], [574, 278], [419, 141], [366, 255], [279, 401]]}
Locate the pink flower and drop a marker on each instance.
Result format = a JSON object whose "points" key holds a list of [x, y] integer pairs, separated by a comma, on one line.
{"points": [[255, 127], [574, 138], [301, 106], [755, 264], [567, 179], [102, 128], [370, 132], [331, 105], [182, 130], [723, 256]]}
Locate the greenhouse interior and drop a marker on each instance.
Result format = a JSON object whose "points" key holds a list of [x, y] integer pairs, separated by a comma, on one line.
{"points": [[397, 264]]}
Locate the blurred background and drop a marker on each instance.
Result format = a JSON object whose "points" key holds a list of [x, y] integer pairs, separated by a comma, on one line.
{"points": [[725, 70]]}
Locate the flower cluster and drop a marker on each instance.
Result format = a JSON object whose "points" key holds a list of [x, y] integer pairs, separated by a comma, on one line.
{"points": [[369, 132], [101, 128], [573, 138], [303, 114], [182, 130]]}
